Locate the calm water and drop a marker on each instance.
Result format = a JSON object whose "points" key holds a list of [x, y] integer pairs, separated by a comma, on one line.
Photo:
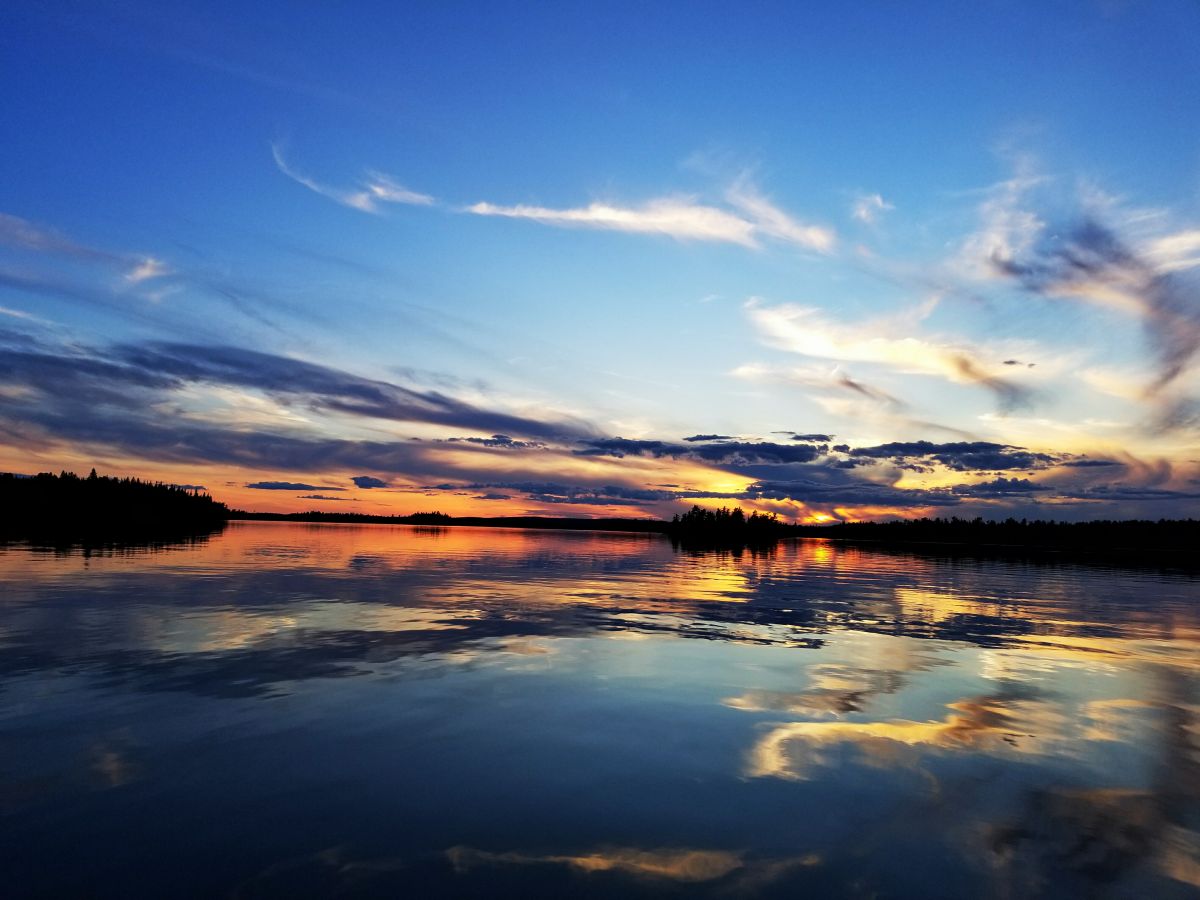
{"points": [[294, 711]]}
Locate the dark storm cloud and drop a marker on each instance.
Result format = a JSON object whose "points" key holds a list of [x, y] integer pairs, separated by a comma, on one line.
{"points": [[961, 456], [290, 486], [367, 482], [1091, 255], [722, 452]]}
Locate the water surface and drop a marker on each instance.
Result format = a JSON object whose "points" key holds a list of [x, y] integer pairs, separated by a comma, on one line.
{"points": [[292, 710]]}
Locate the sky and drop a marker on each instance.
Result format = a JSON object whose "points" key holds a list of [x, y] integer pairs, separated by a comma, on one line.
{"points": [[556, 259]]}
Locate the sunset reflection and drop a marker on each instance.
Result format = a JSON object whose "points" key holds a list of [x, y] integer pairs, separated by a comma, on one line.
{"points": [[565, 712]]}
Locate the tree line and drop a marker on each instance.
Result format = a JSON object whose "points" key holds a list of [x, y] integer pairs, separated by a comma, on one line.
{"points": [[67, 505]]}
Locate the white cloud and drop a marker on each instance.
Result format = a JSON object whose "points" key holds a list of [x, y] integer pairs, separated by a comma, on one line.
{"points": [[383, 188], [803, 330], [146, 269], [774, 222], [751, 218], [869, 207], [677, 217], [19, 314], [376, 189], [1174, 252], [1007, 230]]}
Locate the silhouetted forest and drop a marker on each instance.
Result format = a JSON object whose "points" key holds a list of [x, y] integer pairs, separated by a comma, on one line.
{"points": [[66, 508], [653, 526], [1128, 534], [699, 527]]}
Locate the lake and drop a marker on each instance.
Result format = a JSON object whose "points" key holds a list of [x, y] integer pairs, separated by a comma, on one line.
{"points": [[291, 710]]}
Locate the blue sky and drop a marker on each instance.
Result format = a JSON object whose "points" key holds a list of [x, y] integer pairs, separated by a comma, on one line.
{"points": [[926, 229]]}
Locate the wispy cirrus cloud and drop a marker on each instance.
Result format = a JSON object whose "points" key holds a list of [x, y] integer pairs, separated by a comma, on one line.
{"points": [[868, 208], [749, 218], [1094, 263], [146, 269], [678, 217], [21, 233], [771, 221], [290, 486], [375, 189], [25, 235], [806, 331]]}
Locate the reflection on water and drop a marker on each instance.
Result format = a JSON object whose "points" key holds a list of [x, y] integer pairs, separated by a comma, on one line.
{"points": [[292, 710]]}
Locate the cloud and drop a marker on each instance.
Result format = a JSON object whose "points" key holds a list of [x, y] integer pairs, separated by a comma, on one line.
{"points": [[161, 402], [1007, 228], [804, 330], [738, 452], [323, 497], [751, 218], [325, 387], [708, 437], [1093, 263], [1174, 252], [21, 233], [146, 269], [826, 381], [960, 455], [869, 207], [683, 865], [502, 441], [375, 189], [678, 217], [133, 399], [850, 493], [288, 486], [18, 232], [1000, 487], [368, 482], [769, 220], [554, 492]]}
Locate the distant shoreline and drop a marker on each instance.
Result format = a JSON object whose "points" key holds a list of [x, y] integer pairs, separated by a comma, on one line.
{"points": [[1175, 541], [67, 509]]}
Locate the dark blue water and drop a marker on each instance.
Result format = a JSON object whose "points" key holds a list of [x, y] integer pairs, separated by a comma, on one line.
{"points": [[323, 711]]}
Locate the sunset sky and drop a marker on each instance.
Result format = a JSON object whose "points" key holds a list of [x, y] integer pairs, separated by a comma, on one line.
{"points": [[608, 259]]}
